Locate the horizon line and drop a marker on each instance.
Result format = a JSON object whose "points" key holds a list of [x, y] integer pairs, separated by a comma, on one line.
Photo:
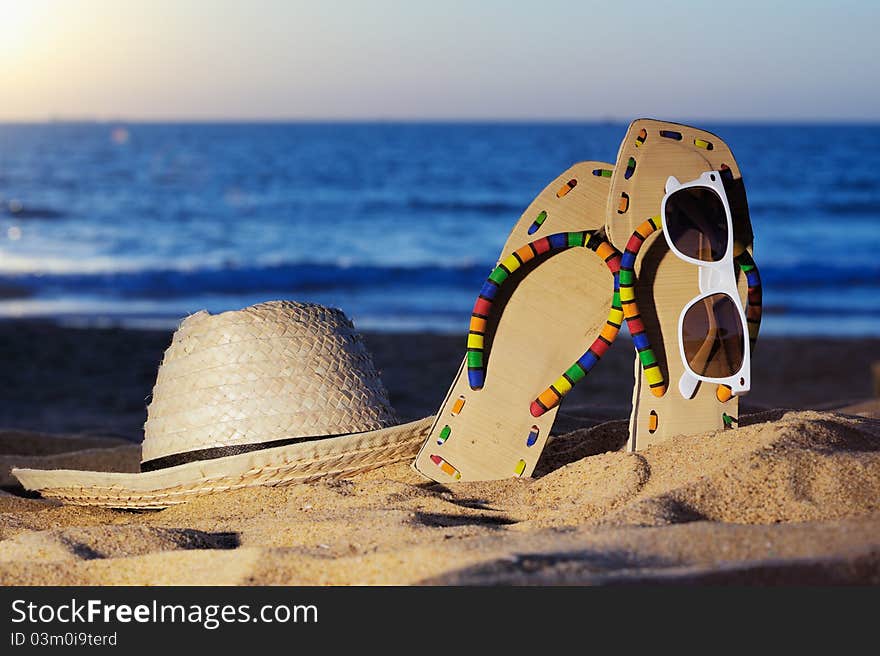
{"points": [[429, 120]]}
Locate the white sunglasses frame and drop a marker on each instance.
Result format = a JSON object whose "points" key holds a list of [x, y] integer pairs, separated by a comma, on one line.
{"points": [[715, 278]]}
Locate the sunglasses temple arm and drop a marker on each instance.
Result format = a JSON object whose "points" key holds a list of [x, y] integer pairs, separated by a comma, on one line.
{"points": [[687, 385], [754, 303]]}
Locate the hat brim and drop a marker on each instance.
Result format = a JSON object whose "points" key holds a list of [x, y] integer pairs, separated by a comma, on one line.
{"points": [[333, 457]]}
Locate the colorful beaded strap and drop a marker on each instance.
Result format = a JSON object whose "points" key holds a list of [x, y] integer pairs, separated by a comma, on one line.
{"points": [[631, 310], [483, 306], [552, 396], [624, 306]]}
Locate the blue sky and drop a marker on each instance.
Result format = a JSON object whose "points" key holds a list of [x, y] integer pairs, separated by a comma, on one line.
{"points": [[444, 59]]}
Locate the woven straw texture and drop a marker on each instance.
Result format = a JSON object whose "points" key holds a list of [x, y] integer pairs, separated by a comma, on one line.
{"points": [[271, 371], [337, 457]]}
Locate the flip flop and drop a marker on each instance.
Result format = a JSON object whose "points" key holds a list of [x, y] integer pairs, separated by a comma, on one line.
{"points": [[546, 308], [656, 285]]}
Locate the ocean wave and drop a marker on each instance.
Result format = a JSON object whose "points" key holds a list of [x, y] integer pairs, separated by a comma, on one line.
{"points": [[820, 275], [857, 184], [281, 278], [785, 309], [290, 277], [13, 291], [18, 210], [851, 209], [479, 206]]}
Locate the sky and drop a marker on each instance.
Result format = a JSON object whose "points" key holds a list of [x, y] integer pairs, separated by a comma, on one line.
{"points": [[439, 60]]}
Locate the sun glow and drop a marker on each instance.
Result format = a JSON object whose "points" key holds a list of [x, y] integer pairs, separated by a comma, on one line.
{"points": [[18, 23]]}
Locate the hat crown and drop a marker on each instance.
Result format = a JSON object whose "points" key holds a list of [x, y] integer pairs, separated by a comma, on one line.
{"points": [[272, 371]]}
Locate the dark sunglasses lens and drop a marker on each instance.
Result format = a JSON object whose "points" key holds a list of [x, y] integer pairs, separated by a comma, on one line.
{"points": [[712, 335], [696, 223]]}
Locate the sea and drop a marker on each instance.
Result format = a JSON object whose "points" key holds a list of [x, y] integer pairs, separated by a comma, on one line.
{"points": [[139, 225]]}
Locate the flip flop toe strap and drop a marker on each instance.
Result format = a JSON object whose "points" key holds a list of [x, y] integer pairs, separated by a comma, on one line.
{"points": [[483, 308], [553, 395], [631, 309]]}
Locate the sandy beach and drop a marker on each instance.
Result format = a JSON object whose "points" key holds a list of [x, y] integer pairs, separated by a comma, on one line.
{"points": [[793, 495]]}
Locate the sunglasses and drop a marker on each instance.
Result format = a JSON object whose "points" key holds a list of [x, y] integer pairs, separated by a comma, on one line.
{"points": [[712, 328]]}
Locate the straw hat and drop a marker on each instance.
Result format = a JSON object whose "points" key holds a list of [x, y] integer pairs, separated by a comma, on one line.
{"points": [[277, 393]]}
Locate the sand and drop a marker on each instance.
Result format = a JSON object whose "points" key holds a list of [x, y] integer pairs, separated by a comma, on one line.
{"points": [[792, 496]]}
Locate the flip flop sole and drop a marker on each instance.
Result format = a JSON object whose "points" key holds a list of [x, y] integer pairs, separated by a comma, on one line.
{"points": [[650, 152], [553, 308]]}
